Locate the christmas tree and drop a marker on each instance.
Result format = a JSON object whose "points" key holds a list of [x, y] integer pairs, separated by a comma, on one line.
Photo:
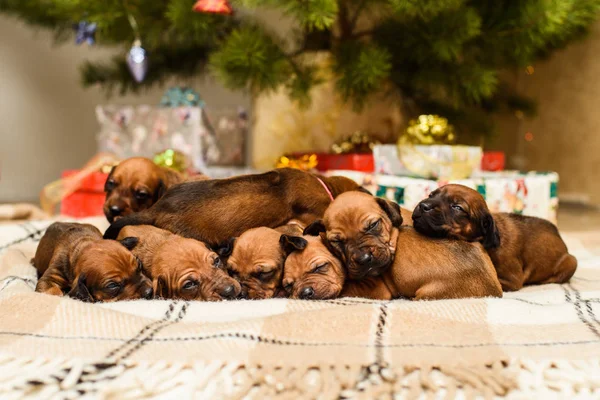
{"points": [[442, 56]]}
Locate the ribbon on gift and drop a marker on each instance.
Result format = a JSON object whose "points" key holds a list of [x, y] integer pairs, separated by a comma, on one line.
{"points": [[305, 162], [54, 192], [358, 142]]}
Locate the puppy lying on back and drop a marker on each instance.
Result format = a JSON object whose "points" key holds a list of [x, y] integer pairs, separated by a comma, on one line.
{"points": [[180, 268], [256, 260], [213, 211], [74, 258], [137, 183], [524, 250], [385, 260]]}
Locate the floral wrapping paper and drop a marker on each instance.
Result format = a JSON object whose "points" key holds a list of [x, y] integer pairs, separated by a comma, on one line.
{"points": [[208, 140], [128, 131], [529, 193]]}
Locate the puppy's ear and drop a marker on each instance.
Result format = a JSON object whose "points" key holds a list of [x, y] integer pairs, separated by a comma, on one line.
{"points": [[392, 210], [315, 228], [80, 291], [363, 190], [292, 243], [225, 249], [130, 242], [159, 287], [160, 190], [491, 235]]}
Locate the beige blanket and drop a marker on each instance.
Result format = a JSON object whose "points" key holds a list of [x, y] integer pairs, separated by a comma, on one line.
{"points": [[539, 342]]}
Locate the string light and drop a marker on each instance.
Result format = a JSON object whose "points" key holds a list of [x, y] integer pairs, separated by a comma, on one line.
{"points": [[529, 136]]}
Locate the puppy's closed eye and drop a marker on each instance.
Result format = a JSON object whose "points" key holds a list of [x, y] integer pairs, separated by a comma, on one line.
{"points": [[141, 195], [320, 269], [373, 226], [190, 285], [458, 207], [266, 276], [109, 185], [112, 288]]}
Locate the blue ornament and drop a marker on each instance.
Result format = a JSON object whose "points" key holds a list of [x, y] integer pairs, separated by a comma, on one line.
{"points": [[181, 97], [85, 32]]}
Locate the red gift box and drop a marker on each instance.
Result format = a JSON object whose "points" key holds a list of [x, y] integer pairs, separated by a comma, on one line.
{"points": [[363, 162], [492, 161], [88, 200]]}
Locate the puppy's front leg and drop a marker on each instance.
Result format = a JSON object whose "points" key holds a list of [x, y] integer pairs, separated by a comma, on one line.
{"points": [[53, 281]]}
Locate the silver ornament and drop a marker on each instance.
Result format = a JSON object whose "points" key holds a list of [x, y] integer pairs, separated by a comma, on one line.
{"points": [[137, 61]]}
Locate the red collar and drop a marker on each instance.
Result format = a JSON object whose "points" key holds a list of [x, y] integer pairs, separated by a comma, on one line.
{"points": [[325, 187]]}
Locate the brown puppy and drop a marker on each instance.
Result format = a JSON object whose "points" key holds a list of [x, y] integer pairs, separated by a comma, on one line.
{"points": [[365, 233], [361, 239], [313, 273], [180, 268], [256, 260], [215, 210], [524, 250], [74, 258], [134, 185]]}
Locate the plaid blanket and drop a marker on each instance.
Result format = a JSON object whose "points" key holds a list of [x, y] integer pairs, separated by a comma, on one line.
{"points": [[541, 341]]}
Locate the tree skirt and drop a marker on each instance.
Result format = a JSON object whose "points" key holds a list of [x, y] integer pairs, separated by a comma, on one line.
{"points": [[541, 341]]}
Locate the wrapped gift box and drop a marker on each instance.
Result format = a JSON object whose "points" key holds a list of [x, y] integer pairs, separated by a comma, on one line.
{"points": [[530, 193], [351, 161], [88, 200], [128, 131], [428, 161]]}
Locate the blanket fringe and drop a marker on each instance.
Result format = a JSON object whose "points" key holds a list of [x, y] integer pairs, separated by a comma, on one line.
{"points": [[66, 379]]}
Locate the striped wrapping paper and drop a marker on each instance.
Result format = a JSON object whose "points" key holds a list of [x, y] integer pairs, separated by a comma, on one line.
{"points": [[529, 193]]}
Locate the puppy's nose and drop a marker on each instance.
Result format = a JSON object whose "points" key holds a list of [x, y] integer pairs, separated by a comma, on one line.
{"points": [[364, 258], [426, 206], [147, 293], [228, 292], [115, 210], [307, 293]]}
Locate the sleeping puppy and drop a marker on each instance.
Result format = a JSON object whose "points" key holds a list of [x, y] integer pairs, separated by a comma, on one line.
{"points": [[313, 272], [73, 258], [256, 259], [524, 250], [213, 211], [359, 229], [134, 185], [180, 268], [384, 260]]}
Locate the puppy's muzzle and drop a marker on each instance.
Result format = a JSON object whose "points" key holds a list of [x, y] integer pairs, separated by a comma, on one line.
{"points": [[115, 211], [229, 292], [307, 293], [147, 293], [363, 259], [426, 206]]}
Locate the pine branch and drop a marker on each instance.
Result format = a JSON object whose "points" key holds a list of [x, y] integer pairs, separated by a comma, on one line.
{"points": [[360, 69]]}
